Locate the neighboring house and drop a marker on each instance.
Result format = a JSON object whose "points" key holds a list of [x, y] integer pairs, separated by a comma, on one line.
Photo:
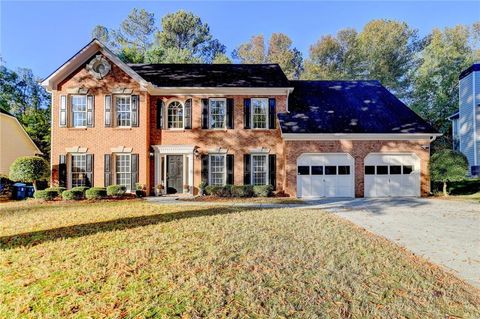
{"points": [[466, 122], [14, 141], [178, 124]]}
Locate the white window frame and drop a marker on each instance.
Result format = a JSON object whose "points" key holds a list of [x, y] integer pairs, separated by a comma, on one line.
{"points": [[73, 112], [84, 155], [129, 111], [167, 116], [210, 113], [252, 177], [224, 168], [116, 156], [252, 113]]}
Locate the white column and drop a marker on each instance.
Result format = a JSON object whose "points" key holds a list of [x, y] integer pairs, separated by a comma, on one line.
{"points": [[190, 173], [164, 175], [157, 170]]}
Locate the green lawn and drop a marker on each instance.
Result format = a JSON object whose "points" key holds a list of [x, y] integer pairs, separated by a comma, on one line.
{"points": [[133, 259]]}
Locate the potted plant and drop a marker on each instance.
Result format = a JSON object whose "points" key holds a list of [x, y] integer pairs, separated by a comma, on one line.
{"points": [[201, 187], [159, 189]]}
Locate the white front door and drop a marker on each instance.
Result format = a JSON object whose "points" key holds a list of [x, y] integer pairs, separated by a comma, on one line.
{"points": [[325, 175], [392, 175]]}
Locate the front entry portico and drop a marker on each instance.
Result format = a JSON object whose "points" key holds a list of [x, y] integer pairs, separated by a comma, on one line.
{"points": [[173, 169]]}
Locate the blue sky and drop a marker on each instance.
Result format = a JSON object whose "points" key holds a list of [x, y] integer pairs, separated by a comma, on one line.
{"points": [[42, 35]]}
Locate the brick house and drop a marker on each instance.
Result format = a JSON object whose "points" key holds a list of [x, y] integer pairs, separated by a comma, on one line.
{"points": [[178, 124]]}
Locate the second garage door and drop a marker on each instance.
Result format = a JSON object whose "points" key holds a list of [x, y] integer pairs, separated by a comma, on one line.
{"points": [[325, 175], [392, 175]]}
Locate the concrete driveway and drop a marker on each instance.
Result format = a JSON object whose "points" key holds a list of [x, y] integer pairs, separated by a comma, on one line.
{"points": [[446, 232]]}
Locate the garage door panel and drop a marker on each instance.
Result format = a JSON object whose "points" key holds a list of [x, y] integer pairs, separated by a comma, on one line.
{"points": [[318, 186]]}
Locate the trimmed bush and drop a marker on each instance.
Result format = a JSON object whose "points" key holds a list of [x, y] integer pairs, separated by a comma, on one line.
{"points": [[29, 169], [242, 191], [263, 190], [96, 193], [116, 190], [57, 189], [73, 194], [219, 191], [83, 189], [46, 194]]}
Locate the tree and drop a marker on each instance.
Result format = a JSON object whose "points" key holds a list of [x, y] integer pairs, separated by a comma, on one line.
{"points": [[446, 53], [29, 169], [184, 33], [448, 166], [280, 51], [252, 52], [221, 59]]}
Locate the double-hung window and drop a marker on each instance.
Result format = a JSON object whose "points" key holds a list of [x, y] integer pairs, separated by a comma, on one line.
{"points": [[79, 110], [123, 110], [259, 170], [217, 170], [218, 111], [175, 115], [259, 113], [78, 170], [123, 170]]}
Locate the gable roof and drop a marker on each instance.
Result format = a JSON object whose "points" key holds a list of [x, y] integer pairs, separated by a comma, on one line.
{"points": [[360, 107], [82, 56], [213, 75]]}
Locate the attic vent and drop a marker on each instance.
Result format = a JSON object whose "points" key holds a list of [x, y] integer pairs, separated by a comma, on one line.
{"points": [[98, 67]]}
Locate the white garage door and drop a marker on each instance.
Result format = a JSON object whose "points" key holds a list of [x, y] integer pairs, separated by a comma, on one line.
{"points": [[325, 175], [390, 175]]}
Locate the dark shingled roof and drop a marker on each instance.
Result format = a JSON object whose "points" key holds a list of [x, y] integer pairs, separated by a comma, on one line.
{"points": [[348, 107], [212, 75], [472, 68]]}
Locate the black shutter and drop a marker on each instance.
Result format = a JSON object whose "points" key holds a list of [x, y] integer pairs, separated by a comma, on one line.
{"points": [[108, 111], [272, 113], [159, 114], [247, 169], [90, 110], [230, 110], [107, 170], [230, 169], [89, 170], [205, 113], [246, 113], [62, 171], [272, 170], [135, 107], [205, 163], [134, 172], [188, 114]]}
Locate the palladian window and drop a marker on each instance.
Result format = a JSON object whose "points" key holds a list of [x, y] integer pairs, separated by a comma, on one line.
{"points": [[175, 115]]}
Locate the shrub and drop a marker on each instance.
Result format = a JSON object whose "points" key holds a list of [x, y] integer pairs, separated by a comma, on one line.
{"points": [[263, 190], [140, 193], [46, 194], [116, 190], [448, 166], [29, 169], [96, 193], [6, 188], [57, 189], [83, 189], [73, 194], [242, 191], [220, 191]]}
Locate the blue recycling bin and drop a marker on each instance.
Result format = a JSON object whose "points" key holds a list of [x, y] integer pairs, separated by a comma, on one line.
{"points": [[29, 190], [19, 190]]}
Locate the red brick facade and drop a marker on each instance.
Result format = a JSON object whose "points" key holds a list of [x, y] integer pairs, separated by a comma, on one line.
{"points": [[100, 140]]}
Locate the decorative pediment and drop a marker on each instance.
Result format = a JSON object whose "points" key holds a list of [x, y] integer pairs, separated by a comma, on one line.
{"points": [[121, 149], [76, 149], [80, 90], [264, 150], [122, 91], [218, 150], [98, 67]]}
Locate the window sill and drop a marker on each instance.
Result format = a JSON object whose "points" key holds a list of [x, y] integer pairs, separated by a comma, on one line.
{"points": [[122, 128], [83, 128]]}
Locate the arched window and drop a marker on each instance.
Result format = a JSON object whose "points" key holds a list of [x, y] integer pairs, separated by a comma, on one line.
{"points": [[175, 115]]}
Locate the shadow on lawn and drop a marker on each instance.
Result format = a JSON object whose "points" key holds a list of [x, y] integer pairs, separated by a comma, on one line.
{"points": [[41, 236]]}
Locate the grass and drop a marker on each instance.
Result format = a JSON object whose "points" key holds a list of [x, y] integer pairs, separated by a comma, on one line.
{"points": [[134, 259], [258, 200]]}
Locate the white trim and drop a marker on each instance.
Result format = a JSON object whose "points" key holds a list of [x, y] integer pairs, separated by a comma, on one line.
{"points": [[210, 112], [76, 149], [115, 111], [217, 91], [71, 96], [218, 150], [174, 149], [353, 136], [267, 175], [224, 155], [82, 57], [121, 149], [267, 117], [170, 101], [475, 155], [260, 150]]}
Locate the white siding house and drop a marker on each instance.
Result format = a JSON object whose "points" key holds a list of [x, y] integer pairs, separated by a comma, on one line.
{"points": [[466, 122]]}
